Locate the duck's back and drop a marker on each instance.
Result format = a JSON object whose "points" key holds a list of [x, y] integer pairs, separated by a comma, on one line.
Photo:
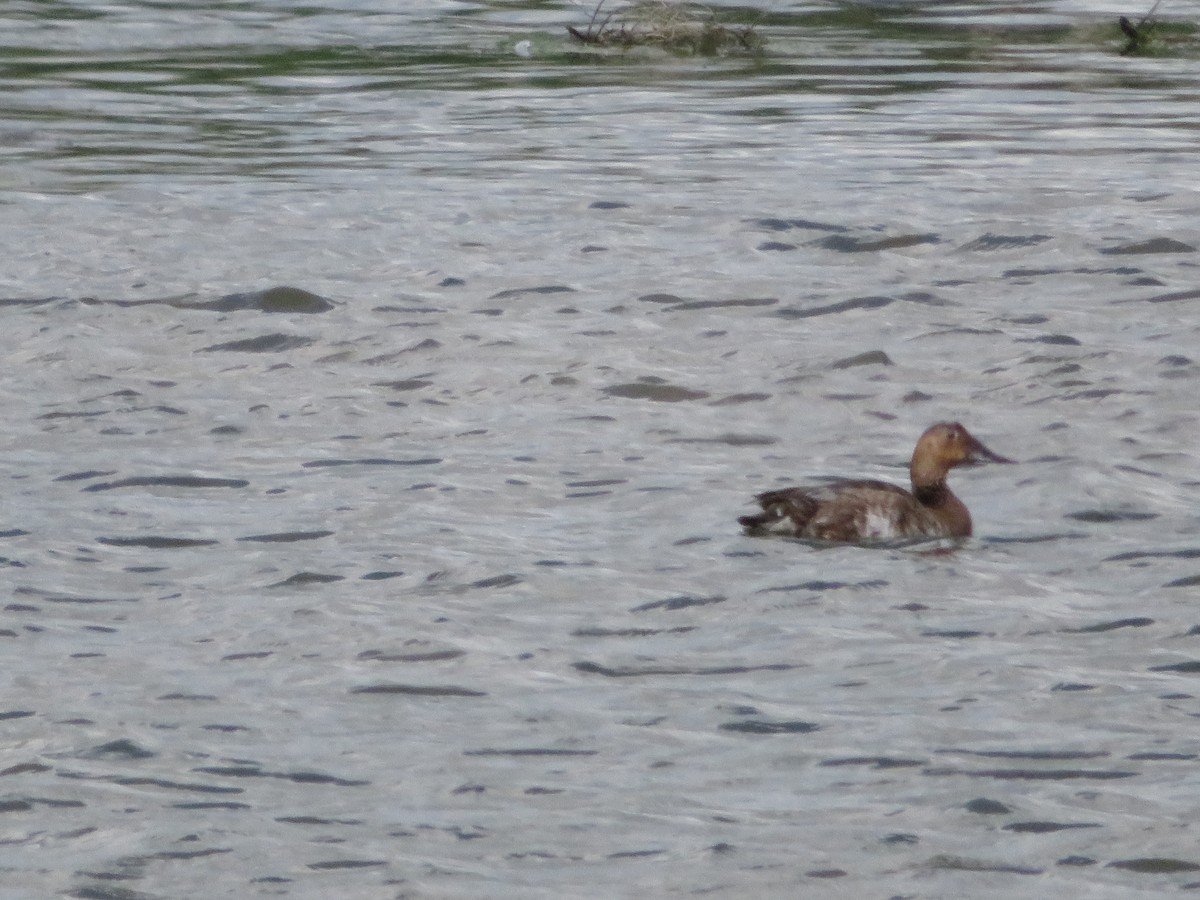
{"points": [[848, 511]]}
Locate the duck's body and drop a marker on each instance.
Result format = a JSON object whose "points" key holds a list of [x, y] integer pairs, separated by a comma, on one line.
{"points": [[855, 511]]}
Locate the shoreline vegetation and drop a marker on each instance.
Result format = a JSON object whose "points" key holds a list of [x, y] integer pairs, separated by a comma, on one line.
{"points": [[686, 28], [1151, 37], [692, 29], [1139, 35]]}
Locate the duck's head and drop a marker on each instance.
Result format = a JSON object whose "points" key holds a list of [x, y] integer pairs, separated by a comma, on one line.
{"points": [[944, 446]]}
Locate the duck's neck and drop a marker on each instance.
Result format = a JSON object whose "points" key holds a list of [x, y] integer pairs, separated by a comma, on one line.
{"points": [[935, 494], [946, 508]]}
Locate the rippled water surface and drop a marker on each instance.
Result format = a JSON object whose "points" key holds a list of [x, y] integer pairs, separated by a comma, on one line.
{"points": [[383, 382]]}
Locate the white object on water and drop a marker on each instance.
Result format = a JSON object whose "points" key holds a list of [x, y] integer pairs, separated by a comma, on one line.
{"points": [[524, 48]]}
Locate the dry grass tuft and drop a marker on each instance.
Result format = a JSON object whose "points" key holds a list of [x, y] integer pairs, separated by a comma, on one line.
{"points": [[679, 27]]}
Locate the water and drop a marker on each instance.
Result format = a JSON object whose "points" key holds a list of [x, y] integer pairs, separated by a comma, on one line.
{"points": [[380, 402]]}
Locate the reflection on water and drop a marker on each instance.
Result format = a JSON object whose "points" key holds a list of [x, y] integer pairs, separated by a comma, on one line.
{"points": [[381, 402]]}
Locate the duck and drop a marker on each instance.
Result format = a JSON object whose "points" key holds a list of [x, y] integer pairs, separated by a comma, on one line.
{"points": [[860, 511]]}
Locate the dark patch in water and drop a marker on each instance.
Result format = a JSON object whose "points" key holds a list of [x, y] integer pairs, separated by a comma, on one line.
{"points": [[1135, 622], [1058, 339], [1155, 865], [304, 578], [1189, 581], [316, 820], [266, 343], [419, 690], [845, 244], [410, 657], [410, 309], [740, 398], [1174, 296], [1154, 245], [629, 632], [958, 635], [592, 668], [74, 415], [962, 864], [336, 864], [528, 751], [681, 602], [1162, 757], [760, 726], [189, 698], [25, 768], [793, 312], [1034, 774], [156, 542], [869, 358], [1106, 516], [23, 301], [169, 785], [373, 461], [1029, 754], [875, 762], [286, 537], [1035, 538], [84, 476], [723, 304], [1047, 827], [543, 289], [122, 747], [404, 384], [989, 241], [62, 598], [497, 581], [732, 440], [272, 300], [253, 771], [823, 586], [1191, 667], [984, 807], [1096, 394], [1079, 270], [634, 854], [774, 224], [172, 481], [662, 393]]}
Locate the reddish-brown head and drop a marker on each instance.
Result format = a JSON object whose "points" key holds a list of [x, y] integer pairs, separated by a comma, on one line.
{"points": [[944, 446]]}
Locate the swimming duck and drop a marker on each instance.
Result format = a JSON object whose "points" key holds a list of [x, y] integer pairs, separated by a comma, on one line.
{"points": [[876, 510]]}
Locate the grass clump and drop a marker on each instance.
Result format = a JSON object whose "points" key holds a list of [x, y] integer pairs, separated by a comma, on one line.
{"points": [[1138, 36], [688, 28], [1149, 37]]}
